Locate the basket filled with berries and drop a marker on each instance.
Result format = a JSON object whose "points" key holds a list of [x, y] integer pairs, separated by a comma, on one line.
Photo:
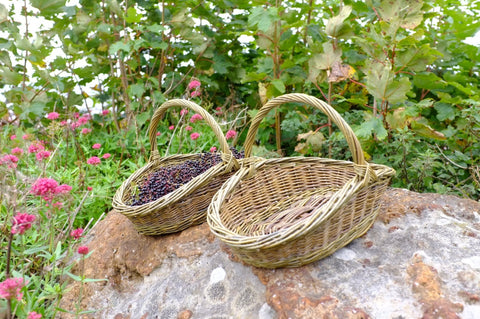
{"points": [[172, 193], [288, 212]]}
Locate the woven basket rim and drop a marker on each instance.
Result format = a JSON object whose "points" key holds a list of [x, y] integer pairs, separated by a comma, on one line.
{"points": [[316, 218]]}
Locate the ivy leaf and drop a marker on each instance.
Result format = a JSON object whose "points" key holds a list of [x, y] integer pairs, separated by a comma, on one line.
{"points": [[335, 25], [372, 126]]}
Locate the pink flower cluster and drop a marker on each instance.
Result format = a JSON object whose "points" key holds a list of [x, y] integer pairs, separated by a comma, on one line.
{"points": [[96, 146], [194, 136], [17, 151], [94, 160], [10, 288], [21, 222], [213, 149], [9, 160], [194, 85], [82, 120], [105, 112], [36, 147], [184, 112], [76, 233], [83, 250], [230, 134], [48, 188], [196, 117], [34, 315], [42, 155], [53, 115]]}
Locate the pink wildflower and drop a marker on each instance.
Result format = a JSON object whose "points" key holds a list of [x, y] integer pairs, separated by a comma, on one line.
{"points": [[21, 222], [85, 130], [84, 119], [76, 115], [34, 315], [188, 128], [12, 137], [184, 112], [9, 160], [77, 233], [230, 134], [194, 84], [53, 116], [213, 149], [10, 288], [106, 155], [17, 150], [25, 136], [83, 250], [171, 127], [105, 112], [89, 188], [195, 93], [35, 147], [48, 188], [63, 123], [218, 111], [94, 160], [96, 146], [194, 136], [42, 154], [158, 133], [196, 117]]}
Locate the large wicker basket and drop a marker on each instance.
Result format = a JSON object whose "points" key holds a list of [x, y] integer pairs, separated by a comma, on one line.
{"points": [[187, 205], [288, 212]]}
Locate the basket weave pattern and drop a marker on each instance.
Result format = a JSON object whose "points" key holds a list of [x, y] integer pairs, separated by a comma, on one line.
{"points": [[288, 212], [185, 206]]}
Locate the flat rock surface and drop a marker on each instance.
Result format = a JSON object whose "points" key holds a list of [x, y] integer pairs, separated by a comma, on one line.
{"points": [[421, 259]]}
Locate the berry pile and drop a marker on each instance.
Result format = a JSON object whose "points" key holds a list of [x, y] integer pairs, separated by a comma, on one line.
{"points": [[169, 178]]}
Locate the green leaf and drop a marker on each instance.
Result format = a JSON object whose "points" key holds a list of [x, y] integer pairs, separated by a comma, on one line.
{"points": [[136, 90], [279, 85], [142, 118], [119, 46], [3, 13], [445, 111], [373, 126], [381, 84], [405, 13], [132, 16], [155, 28], [263, 18], [335, 25], [10, 77], [428, 81], [416, 59], [221, 64], [48, 7], [35, 250]]}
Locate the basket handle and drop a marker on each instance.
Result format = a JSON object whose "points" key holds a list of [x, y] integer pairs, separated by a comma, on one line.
{"points": [[353, 143], [157, 116]]}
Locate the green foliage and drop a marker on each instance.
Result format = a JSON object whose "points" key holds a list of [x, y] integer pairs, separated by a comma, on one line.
{"points": [[399, 72]]}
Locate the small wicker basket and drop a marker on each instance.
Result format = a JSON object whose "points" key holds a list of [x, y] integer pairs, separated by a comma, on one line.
{"points": [[288, 212], [187, 205]]}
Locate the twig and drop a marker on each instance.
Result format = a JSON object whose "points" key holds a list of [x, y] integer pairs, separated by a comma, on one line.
{"points": [[451, 162]]}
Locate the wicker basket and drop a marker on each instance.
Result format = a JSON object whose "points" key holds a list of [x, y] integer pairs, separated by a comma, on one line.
{"points": [[187, 205], [288, 212]]}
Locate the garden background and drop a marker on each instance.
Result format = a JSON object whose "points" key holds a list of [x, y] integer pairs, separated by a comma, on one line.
{"points": [[80, 82]]}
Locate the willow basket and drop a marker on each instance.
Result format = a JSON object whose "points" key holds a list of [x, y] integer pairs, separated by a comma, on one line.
{"points": [[288, 212], [185, 206]]}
